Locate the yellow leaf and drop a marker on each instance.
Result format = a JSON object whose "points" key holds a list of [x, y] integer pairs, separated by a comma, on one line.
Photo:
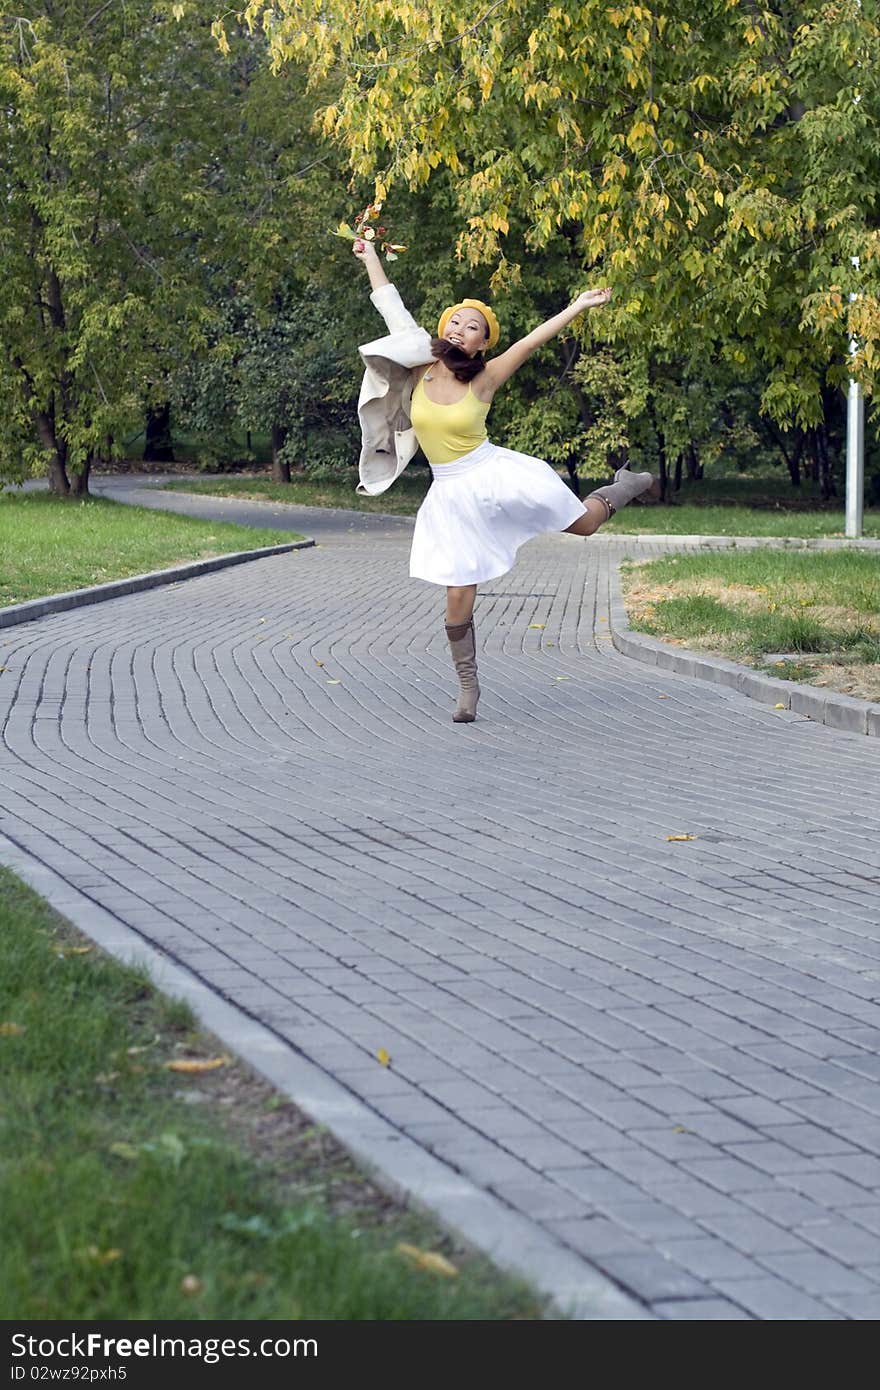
{"points": [[100, 1257], [122, 1149], [10, 1030], [541, 626], [663, 697], [681, 837], [428, 1259], [319, 663], [194, 1066], [333, 682], [562, 678], [383, 1057], [780, 706], [79, 950]]}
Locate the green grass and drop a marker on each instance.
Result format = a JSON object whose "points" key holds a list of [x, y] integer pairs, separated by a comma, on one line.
{"points": [[49, 545], [120, 1200], [749, 604], [735, 520], [732, 507], [403, 499]]}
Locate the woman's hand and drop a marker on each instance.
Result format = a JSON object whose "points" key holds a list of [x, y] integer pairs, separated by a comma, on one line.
{"points": [[592, 299], [366, 253], [365, 250]]}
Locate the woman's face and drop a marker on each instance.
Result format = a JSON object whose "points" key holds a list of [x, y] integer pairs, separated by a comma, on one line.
{"points": [[468, 330]]}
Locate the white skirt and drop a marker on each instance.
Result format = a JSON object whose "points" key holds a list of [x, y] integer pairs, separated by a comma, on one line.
{"points": [[480, 509]]}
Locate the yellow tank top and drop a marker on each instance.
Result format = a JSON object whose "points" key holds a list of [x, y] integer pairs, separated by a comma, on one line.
{"points": [[448, 432]]}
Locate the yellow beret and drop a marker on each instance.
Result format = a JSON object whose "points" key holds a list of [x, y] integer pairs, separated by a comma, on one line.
{"points": [[488, 315]]}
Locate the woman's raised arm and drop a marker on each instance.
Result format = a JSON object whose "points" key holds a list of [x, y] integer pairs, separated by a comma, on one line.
{"points": [[368, 256], [501, 368]]}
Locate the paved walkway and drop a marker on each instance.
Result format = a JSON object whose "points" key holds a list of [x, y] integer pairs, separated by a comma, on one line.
{"points": [[659, 1057]]}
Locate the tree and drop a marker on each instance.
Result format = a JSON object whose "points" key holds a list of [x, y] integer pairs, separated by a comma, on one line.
{"points": [[101, 212], [718, 165]]}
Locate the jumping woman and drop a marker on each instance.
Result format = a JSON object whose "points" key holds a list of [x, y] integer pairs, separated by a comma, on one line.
{"points": [[485, 500]]}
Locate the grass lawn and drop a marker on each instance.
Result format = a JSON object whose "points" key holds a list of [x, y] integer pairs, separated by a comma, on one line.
{"points": [[133, 1191], [403, 499], [732, 507], [49, 545], [822, 609]]}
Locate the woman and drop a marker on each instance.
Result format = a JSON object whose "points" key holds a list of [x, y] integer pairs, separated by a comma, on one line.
{"points": [[485, 501]]}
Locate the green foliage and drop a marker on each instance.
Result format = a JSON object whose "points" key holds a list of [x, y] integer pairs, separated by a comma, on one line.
{"points": [[291, 372], [719, 166], [102, 196]]}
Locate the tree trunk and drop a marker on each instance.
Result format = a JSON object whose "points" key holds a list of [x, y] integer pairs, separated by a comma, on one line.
{"points": [[678, 464], [694, 464], [793, 462], [159, 446], [79, 481], [662, 467], [59, 484], [823, 458], [792, 458], [58, 480], [280, 469]]}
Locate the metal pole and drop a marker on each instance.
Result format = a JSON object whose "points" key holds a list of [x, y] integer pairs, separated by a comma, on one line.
{"points": [[855, 447]]}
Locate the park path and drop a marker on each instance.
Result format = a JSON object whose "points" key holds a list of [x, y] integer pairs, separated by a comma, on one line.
{"points": [[661, 1056]]}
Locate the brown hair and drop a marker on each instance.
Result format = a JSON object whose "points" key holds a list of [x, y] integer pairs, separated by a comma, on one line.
{"points": [[463, 368]]}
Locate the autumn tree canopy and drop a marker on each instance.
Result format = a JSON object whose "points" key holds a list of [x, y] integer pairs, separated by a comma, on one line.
{"points": [[718, 164]]}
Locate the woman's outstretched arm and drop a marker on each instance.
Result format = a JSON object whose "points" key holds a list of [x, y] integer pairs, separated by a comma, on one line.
{"points": [[500, 368], [369, 256]]}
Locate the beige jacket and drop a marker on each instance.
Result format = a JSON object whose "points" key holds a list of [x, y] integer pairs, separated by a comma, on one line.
{"points": [[388, 438]]}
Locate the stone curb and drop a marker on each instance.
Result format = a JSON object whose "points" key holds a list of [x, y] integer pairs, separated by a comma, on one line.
{"points": [[396, 1163], [667, 538], [136, 583], [823, 706]]}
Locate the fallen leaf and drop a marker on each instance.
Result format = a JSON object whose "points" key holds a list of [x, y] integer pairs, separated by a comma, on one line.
{"points": [[79, 950], [428, 1259], [191, 1284], [539, 626], [334, 682], [780, 706], [10, 1030], [122, 1149], [383, 1057], [562, 678], [99, 1257], [662, 697], [194, 1065], [319, 663], [681, 837]]}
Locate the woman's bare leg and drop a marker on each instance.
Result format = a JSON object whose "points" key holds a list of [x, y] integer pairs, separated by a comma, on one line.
{"points": [[596, 515], [460, 603]]}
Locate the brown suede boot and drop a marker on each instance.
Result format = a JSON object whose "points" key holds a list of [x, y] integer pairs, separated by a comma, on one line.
{"points": [[462, 644], [625, 487]]}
